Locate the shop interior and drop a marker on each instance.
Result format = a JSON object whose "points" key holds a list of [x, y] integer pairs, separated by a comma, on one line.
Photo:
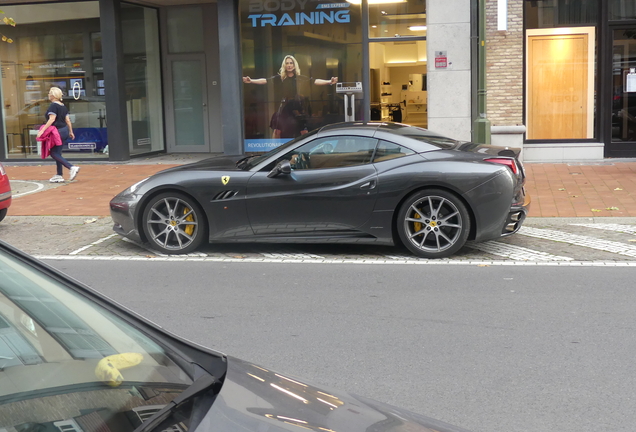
{"points": [[398, 68]]}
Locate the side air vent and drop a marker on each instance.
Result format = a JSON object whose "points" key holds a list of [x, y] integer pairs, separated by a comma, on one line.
{"points": [[225, 195]]}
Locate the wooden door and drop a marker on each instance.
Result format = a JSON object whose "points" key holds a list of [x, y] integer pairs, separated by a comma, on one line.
{"points": [[557, 105]]}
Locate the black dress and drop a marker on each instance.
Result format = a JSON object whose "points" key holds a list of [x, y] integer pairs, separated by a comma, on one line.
{"points": [[293, 93]]}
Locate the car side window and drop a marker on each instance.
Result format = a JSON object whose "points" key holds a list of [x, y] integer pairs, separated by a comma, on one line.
{"points": [[387, 150], [332, 152]]}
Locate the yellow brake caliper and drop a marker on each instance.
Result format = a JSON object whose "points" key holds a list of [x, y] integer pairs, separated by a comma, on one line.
{"points": [[189, 229], [417, 226]]}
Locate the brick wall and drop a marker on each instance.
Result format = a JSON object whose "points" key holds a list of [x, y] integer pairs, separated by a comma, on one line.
{"points": [[504, 64]]}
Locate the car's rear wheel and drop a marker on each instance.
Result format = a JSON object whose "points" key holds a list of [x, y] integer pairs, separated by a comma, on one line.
{"points": [[174, 223], [433, 223], [3, 213]]}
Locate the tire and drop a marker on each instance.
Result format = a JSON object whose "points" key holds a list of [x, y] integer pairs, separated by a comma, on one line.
{"points": [[3, 213], [444, 226], [174, 223]]}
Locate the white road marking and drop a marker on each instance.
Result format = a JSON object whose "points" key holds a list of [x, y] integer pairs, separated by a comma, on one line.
{"points": [[481, 263], [40, 186], [515, 252], [291, 255], [83, 248], [628, 229], [154, 252], [579, 240]]}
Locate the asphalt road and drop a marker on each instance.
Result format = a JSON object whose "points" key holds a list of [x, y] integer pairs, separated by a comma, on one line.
{"points": [[489, 348]]}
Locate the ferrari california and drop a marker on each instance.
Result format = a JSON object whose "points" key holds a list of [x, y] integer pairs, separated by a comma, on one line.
{"points": [[5, 193], [382, 183], [72, 360]]}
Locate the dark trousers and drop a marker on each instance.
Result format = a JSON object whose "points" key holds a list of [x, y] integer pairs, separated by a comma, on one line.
{"points": [[56, 152]]}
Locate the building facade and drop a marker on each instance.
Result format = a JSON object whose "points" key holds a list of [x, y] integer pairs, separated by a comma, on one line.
{"points": [[211, 77]]}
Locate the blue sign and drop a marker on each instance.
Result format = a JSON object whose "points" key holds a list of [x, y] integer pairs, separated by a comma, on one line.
{"points": [[263, 145]]}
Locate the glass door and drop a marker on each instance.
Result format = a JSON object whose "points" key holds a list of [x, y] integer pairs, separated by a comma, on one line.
{"points": [[623, 129], [189, 105]]}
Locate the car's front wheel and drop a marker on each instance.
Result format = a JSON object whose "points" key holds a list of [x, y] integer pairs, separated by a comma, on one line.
{"points": [[174, 223], [433, 223], [3, 213]]}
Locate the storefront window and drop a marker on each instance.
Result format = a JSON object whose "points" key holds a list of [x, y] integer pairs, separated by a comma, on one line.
{"points": [[400, 19], [185, 30], [624, 86], [49, 50], [293, 53], [398, 68], [622, 9], [560, 13], [142, 71]]}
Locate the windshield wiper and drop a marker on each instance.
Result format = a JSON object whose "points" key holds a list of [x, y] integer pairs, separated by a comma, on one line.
{"points": [[200, 385], [243, 161]]}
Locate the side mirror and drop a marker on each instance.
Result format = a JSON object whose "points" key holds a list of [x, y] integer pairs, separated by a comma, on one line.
{"points": [[282, 167]]}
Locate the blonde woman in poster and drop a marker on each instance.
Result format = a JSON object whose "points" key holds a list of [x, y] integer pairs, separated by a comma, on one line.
{"points": [[291, 88]]}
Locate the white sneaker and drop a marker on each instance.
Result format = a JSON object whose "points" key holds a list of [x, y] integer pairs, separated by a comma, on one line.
{"points": [[74, 171], [56, 179]]}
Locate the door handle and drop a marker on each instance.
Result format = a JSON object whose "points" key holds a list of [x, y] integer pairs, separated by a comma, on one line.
{"points": [[368, 185]]}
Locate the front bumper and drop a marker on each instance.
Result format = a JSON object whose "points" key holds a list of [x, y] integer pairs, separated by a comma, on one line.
{"points": [[122, 211]]}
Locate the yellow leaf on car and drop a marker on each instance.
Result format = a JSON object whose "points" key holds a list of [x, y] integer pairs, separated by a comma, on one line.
{"points": [[108, 368]]}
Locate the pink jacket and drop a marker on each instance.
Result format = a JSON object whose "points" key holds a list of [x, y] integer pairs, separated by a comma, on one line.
{"points": [[49, 139]]}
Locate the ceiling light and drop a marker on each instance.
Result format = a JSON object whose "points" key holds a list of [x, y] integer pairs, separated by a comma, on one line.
{"points": [[417, 28]]}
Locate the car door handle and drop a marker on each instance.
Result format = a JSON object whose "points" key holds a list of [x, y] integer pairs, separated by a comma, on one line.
{"points": [[368, 185]]}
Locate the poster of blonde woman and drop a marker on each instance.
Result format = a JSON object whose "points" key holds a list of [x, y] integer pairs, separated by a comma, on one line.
{"points": [[294, 54]]}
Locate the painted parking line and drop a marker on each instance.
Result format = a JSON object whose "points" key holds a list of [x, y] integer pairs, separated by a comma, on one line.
{"points": [[579, 240], [291, 255], [627, 229], [517, 253], [154, 252], [364, 261], [83, 248], [38, 187]]}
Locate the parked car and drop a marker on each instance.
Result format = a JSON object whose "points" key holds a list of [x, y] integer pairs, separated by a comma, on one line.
{"points": [[73, 360], [5, 193], [382, 183]]}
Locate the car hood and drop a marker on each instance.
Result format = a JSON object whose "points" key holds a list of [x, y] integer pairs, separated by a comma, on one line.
{"points": [[254, 398], [216, 163]]}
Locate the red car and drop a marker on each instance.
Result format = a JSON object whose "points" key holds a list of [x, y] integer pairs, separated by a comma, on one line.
{"points": [[5, 193]]}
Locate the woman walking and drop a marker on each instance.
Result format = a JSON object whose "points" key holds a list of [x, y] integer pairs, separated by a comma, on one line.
{"points": [[57, 116]]}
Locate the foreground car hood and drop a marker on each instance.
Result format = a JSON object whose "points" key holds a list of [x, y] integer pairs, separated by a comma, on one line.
{"points": [[258, 399]]}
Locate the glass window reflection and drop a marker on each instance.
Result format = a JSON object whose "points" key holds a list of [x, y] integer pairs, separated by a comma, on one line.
{"points": [[45, 55], [397, 19], [66, 361]]}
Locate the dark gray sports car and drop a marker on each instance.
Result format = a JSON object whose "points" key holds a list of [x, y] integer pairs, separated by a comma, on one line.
{"points": [[383, 183]]}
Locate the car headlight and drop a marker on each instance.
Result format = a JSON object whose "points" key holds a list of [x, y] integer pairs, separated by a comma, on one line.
{"points": [[131, 190]]}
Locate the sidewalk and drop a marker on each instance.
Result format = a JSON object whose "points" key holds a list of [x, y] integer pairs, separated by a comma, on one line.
{"points": [[594, 189]]}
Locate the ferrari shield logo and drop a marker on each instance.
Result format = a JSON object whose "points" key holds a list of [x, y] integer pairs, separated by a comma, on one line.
{"points": [[225, 180]]}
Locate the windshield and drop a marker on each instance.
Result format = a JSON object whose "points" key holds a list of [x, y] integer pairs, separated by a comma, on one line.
{"points": [[249, 163], [65, 361]]}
